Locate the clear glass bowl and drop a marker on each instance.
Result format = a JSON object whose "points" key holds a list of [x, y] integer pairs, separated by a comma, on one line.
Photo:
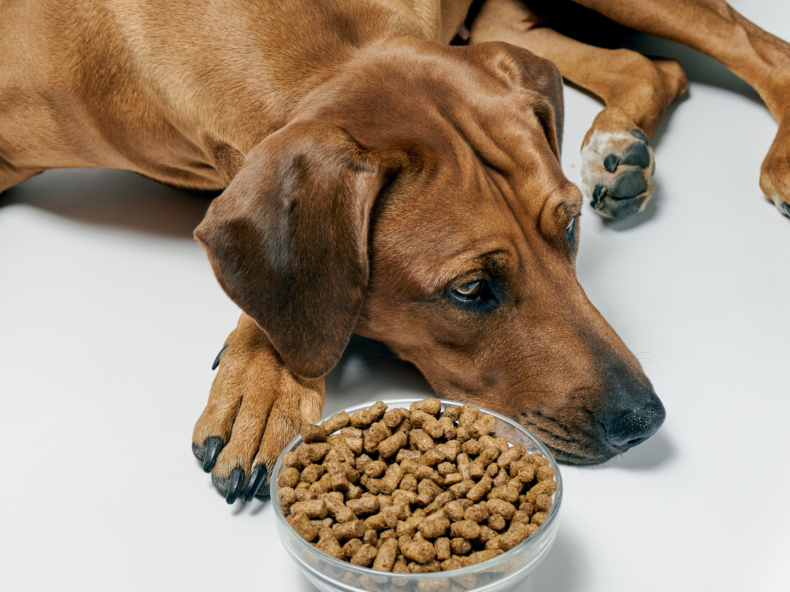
{"points": [[505, 572]]}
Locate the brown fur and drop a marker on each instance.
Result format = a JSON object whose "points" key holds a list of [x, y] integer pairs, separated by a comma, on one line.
{"points": [[370, 169]]}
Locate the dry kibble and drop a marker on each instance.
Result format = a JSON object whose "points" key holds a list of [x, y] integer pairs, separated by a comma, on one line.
{"points": [[392, 418], [409, 491], [364, 556]]}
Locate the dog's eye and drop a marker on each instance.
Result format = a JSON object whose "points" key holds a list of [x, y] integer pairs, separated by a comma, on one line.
{"points": [[570, 234], [478, 296]]}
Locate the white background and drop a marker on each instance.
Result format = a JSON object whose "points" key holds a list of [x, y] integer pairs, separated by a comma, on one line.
{"points": [[110, 318]]}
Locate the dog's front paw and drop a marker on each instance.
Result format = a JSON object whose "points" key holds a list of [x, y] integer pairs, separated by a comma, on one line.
{"points": [[775, 172], [255, 408], [617, 172]]}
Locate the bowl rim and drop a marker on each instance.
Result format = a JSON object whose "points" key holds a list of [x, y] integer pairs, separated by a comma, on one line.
{"points": [[406, 401]]}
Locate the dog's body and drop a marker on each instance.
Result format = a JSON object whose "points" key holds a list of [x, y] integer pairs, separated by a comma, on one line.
{"points": [[378, 182]]}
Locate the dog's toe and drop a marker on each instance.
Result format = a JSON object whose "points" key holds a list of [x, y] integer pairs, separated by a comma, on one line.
{"points": [[786, 207], [617, 172]]}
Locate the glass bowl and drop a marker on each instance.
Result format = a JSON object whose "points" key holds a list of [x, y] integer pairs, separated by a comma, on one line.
{"points": [[505, 572]]}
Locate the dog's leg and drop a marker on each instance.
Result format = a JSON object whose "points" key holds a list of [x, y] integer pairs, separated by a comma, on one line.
{"points": [[618, 163], [715, 28], [255, 408]]}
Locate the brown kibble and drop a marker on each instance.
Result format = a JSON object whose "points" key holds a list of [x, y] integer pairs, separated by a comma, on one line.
{"points": [[312, 473], [361, 419], [527, 508], [377, 410], [375, 468], [468, 416], [428, 567], [285, 497], [538, 518], [303, 492], [362, 461], [493, 471], [352, 433], [496, 522], [545, 473], [476, 513], [455, 563], [472, 447], [502, 508], [427, 490], [420, 440], [377, 433], [418, 550], [288, 477], [323, 485], [439, 502], [336, 422], [351, 547], [313, 509], [446, 468], [486, 534], [324, 523], [488, 455], [450, 449], [370, 537], [329, 544], [391, 479], [408, 483], [462, 435], [392, 418], [354, 444], [548, 487], [451, 412], [480, 489], [484, 425], [349, 530], [443, 549], [302, 525], [435, 525], [431, 406], [456, 509], [382, 521], [460, 546], [291, 459], [476, 470], [353, 492], [406, 454], [520, 516], [466, 529], [337, 508], [517, 532], [364, 506], [400, 565], [393, 444], [313, 433], [481, 556], [501, 478], [404, 426], [526, 473], [364, 556], [337, 476], [313, 453], [432, 457], [433, 428], [508, 492], [543, 502], [453, 478], [387, 553], [462, 489], [511, 455]]}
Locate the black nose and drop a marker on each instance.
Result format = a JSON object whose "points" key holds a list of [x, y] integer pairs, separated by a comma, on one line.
{"points": [[631, 426]]}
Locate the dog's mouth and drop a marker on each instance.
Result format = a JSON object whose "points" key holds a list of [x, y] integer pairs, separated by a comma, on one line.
{"points": [[571, 446]]}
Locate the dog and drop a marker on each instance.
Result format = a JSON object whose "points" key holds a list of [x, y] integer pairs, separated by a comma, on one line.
{"points": [[380, 181]]}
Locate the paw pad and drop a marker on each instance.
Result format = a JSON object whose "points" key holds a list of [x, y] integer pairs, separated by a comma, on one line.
{"points": [[617, 172]]}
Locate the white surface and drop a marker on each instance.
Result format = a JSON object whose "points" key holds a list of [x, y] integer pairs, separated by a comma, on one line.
{"points": [[110, 318]]}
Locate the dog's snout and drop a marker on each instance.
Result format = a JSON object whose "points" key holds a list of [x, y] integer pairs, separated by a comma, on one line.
{"points": [[633, 425]]}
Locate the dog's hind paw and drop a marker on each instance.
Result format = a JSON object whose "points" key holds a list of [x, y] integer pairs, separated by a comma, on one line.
{"points": [[775, 173], [617, 172]]}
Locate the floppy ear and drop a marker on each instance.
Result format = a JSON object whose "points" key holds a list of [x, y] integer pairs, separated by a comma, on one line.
{"points": [[288, 240], [526, 71]]}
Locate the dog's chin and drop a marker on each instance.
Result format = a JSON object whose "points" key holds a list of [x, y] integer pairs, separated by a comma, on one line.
{"points": [[579, 452]]}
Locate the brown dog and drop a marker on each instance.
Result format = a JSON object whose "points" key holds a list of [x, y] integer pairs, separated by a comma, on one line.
{"points": [[380, 182]]}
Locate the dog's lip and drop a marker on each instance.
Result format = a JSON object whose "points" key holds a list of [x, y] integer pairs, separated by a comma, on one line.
{"points": [[602, 450]]}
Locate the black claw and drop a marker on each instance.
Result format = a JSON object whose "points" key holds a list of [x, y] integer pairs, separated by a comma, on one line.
{"points": [[610, 163], [257, 478], [598, 193], [786, 206], [628, 184], [640, 135], [213, 447], [637, 154], [219, 355], [236, 484]]}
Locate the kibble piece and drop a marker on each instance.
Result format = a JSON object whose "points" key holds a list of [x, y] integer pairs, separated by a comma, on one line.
{"points": [[302, 525], [521, 517], [454, 563], [453, 478], [455, 510], [480, 489], [468, 415], [391, 479], [313, 433], [462, 434], [288, 477], [466, 529], [460, 546], [408, 483], [432, 457], [377, 433], [322, 485], [488, 455], [324, 523], [508, 492], [472, 447], [427, 490], [462, 489], [476, 513], [451, 412], [538, 518], [502, 508], [527, 508], [450, 449], [404, 426], [370, 537], [336, 422], [484, 425], [313, 509], [446, 468], [501, 478], [337, 476], [291, 459], [439, 502], [406, 454], [392, 445], [329, 544], [285, 497], [362, 461], [429, 567], [486, 534], [443, 549], [433, 428], [481, 556], [418, 550], [514, 535], [548, 487], [496, 522], [355, 444], [353, 492], [377, 410], [420, 440], [511, 455], [351, 547], [392, 418], [312, 473], [337, 508], [364, 556], [493, 471], [382, 521], [349, 530], [387, 553], [375, 468], [364, 506], [435, 525], [431, 406], [545, 473], [448, 427], [543, 503], [526, 473], [361, 419]]}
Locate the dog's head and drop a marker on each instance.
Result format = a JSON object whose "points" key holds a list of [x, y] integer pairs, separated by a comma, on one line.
{"points": [[417, 198]]}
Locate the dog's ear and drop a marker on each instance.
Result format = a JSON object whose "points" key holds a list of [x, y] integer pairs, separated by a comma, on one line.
{"points": [[526, 71], [288, 240]]}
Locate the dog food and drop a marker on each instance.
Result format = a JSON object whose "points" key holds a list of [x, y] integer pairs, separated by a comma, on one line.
{"points": [[413, 490]]}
